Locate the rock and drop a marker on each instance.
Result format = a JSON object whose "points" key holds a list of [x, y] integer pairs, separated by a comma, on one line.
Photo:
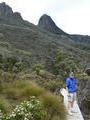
{"points": [[17, 15], [84, 96], [47, 23], [7, 12], [81, 38]]}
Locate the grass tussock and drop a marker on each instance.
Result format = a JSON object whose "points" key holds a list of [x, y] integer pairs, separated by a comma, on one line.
{"points": [[32, 90], [54, 106], [5, 105], [22, 89]]}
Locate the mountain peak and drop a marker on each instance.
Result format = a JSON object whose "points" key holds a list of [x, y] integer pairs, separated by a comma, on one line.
{"points": [[45, 16], [7, 12], [48, 24], [3, 3]]}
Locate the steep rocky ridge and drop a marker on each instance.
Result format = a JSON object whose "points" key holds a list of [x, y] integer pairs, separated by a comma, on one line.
{"points": [[7, 12], [48, 24], [80, 41]]}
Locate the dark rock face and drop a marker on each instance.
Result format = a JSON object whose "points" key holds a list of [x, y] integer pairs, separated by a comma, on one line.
{"points": [[17, 15], [48, 24], [84, 98], [7, 12], [81, 38]]}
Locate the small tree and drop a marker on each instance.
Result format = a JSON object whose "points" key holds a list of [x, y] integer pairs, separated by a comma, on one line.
{"points": [[37, 68], [63, 64]]}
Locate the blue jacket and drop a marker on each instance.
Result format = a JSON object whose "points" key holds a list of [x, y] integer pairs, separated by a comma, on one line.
{"points": [[71, 84]]}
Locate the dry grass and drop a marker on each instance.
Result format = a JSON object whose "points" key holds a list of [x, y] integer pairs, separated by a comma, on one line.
{"points": [[5, 105], [54, 106]]}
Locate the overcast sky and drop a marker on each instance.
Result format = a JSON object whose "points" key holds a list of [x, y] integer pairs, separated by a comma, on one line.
{"points": [[73, 16]]}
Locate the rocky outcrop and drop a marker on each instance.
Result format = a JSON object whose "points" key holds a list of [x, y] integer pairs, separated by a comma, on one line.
{"points": [[48, 24], [17, 15], [81, 38], [7, 12], [84, 96]]}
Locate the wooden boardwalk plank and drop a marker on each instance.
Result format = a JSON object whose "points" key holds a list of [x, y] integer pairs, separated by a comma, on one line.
{"points": [[74, 116]]}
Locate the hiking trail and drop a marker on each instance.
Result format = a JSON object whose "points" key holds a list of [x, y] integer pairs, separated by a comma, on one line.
{"points": [[74, 116]]}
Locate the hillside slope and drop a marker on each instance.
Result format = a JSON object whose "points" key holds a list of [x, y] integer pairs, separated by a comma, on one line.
{"points": [[80, 41], [21, 35], [39, 45]]}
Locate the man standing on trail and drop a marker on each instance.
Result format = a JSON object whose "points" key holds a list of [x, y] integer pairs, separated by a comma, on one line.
{"points": [[71, 88]]}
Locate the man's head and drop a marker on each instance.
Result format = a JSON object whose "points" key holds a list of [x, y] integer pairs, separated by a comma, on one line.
{"points": [[71, 75]]}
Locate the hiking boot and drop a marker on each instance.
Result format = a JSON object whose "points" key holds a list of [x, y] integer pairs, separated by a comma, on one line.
{"points": [[69, 112], [73, 110]]}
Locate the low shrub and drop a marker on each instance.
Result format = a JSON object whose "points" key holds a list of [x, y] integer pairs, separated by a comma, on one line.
{"points": [[32, 89], [37, 68], [5, 105], [53, 85], [18, 91], [2, 117], [54, 106], [27, 110]]}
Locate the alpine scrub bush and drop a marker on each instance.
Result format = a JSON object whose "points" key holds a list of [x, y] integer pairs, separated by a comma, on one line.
{"points": [[37, 68], [1, 115], [28, 110], [52, 85], [54, 106], [50, 106], [63, 64], [5, 105]]}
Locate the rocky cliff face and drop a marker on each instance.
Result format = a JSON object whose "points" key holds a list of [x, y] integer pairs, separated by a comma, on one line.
{"points": [[48, 24], [81, 38], [84, 96], [7, 12]]}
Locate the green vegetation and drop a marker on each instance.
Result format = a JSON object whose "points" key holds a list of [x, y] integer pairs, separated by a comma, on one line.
{"points": [[63, 64], [30, 65], [37, 68], [16, 92], [5, 105], [21, 84], [27, 110], [11, 64]]}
